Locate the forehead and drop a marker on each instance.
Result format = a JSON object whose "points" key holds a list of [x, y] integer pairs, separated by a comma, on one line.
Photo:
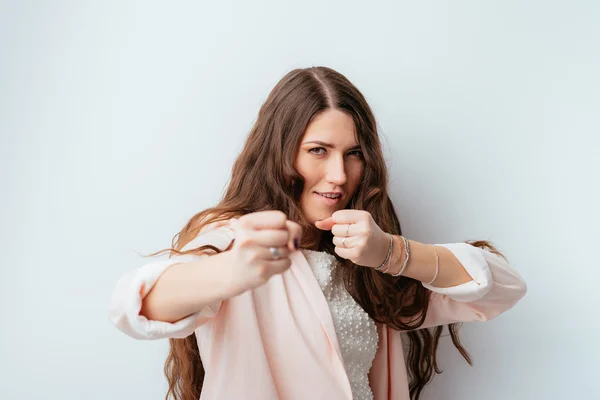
{"points": [[332, 126]]}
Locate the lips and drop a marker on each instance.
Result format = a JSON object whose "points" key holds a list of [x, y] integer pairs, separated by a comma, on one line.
{"points": [[328, 200], [330, 195]]}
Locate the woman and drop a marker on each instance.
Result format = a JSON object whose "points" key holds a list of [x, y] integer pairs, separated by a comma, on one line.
{"points": [[298, 284]]}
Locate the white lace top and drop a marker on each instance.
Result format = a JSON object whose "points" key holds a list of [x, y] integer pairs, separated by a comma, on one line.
{"points": [[356, 331]]}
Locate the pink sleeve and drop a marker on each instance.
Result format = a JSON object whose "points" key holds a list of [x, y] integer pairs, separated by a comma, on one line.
{"points": [[126, 301], [496, 287]]}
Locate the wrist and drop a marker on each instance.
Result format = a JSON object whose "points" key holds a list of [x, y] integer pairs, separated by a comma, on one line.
{"points": [[398, 255], [399, 252], [384, 265], [232, 282]]}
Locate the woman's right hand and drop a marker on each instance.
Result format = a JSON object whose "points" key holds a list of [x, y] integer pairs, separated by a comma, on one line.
{"points": [[252, 261]]}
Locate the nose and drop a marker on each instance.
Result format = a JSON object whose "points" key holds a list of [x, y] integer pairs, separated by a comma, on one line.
{"points": [[336, 171]]}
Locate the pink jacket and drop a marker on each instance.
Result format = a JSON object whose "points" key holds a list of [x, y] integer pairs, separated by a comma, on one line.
{"points": [[266, 343]]}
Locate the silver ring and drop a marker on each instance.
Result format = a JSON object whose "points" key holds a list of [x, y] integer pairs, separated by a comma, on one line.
{"points": [[344, 242], [275, 252], [347, 229]]}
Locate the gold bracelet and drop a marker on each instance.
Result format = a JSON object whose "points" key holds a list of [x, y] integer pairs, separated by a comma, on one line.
{"points": [[437, 265]]}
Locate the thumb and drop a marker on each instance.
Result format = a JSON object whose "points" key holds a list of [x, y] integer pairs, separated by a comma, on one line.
{"points": [[295, 234], [325, 224]]}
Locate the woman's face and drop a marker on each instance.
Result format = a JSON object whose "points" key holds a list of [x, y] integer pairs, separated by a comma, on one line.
{"points": [[331, 163]]}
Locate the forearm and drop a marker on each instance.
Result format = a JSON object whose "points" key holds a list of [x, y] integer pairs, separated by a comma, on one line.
{"points": [[422, 264], [186, 288]]}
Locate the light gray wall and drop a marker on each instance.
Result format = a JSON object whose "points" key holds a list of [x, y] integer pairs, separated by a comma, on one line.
{"points": [[120, 119]]}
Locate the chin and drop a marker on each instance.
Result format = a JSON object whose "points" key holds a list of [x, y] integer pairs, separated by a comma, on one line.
{"points": [[317, 215], [319, 212]]}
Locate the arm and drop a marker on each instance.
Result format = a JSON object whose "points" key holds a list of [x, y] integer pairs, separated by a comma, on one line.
{"points": [[422, 264], [186, 288], [171, 298], [473, 284]]}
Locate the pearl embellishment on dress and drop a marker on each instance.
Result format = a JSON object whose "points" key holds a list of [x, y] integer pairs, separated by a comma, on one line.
{"points": [[356, 331]]}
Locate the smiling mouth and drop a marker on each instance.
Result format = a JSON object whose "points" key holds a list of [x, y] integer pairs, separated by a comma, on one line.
{"points": [[330, 196]]}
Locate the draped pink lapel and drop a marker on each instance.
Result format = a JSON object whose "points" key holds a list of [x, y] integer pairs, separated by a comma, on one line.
{"points": [[315, 297]]}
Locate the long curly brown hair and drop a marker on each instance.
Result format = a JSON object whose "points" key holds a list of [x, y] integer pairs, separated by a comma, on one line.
{"points": [[264, 178]]}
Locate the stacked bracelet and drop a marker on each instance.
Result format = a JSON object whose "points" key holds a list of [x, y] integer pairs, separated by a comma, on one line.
{"points": [[387, 257], [407, 256]]}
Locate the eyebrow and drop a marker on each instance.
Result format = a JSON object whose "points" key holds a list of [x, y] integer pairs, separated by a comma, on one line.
{"points": [[329, 145]]}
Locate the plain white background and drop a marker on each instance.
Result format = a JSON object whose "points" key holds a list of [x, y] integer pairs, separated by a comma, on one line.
{"points": [[119, 120]]}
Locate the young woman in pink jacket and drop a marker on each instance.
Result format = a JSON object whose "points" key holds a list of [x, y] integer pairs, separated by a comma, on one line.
{"points": [[299, 283]]}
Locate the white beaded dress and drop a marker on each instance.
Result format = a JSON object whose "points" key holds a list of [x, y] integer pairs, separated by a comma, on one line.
{"points": [[356, 331]]}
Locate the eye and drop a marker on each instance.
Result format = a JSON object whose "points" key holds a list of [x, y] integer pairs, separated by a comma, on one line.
{"points": [[316, 150], [356, 153]]}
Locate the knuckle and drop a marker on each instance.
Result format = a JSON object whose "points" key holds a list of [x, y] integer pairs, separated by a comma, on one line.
{"points": [[243, 220], [282, 238], [264, 272], [280, 218], [253, 258], [244, 241], [283, 265], [279, 214]]}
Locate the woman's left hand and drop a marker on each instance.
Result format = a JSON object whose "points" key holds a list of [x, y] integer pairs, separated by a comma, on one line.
{"points": [[357, 237]]}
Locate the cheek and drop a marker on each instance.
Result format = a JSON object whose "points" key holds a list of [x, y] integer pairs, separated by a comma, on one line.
{"points": [[308, 170], [355, 175]]}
